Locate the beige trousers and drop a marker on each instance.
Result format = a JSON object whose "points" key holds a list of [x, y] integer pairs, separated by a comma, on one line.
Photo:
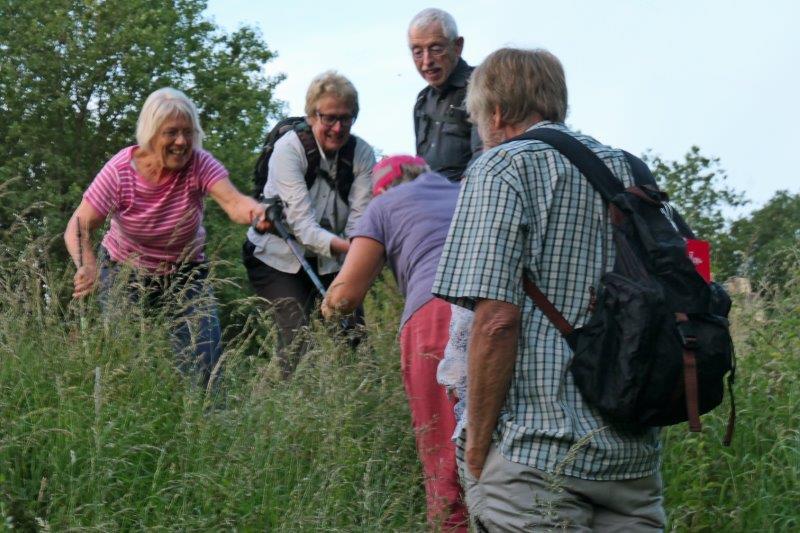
{"points": [[514, 497]]}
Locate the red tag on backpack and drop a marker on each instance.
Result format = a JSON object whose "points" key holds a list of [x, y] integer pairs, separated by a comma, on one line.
{"points": [[700, 254]]}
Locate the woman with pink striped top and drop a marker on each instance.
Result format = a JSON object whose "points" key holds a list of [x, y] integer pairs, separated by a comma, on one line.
{"points": [[153, 192]]}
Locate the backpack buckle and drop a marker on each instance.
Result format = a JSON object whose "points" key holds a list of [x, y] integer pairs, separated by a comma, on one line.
{"points": [[687, 334]]}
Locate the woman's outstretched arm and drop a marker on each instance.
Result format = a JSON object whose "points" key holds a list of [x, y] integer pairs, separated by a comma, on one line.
{"points": [[361, 266]]}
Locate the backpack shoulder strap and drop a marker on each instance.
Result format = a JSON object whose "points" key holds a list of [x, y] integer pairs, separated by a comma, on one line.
{"points": [[344, 165], [641, 173], [597, 174], [345, 173], [592, 167], [546, 306], [311, 149]]}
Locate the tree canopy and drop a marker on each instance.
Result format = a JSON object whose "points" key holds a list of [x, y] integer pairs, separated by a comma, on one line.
{"points": [[74, 74], [764, 246], [696, 186]]}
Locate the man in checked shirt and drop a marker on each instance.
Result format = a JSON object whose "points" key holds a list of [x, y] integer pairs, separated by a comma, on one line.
{"points": [[534, 456]]}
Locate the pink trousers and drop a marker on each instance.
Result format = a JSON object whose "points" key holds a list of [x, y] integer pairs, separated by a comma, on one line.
{"points": [[422, 342]]}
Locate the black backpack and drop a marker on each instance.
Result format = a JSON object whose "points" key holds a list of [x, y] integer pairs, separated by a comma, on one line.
{"points": [[344, 166], [657, 347]]}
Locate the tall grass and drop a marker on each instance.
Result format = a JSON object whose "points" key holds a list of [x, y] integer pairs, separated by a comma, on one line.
{"points": [[98, 431], [755, 484]]}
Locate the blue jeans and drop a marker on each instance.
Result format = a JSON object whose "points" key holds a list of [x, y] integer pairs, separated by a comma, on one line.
{"points": [[185, 297]]}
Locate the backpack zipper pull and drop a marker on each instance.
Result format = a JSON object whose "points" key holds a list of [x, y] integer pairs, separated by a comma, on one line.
{"points": [[592, 300]]}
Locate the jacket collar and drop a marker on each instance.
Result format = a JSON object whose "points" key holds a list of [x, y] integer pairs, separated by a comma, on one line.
{"points": [[457, 79]]}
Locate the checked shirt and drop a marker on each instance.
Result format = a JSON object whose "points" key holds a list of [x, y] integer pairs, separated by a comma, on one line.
{"points": [[523, 206]]}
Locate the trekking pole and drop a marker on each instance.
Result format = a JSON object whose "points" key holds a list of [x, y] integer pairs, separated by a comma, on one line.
{"points": [[274, 213]]}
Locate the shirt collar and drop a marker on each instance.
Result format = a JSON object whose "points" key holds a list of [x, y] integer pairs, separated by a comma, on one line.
{"points": [[457, 79], [547, 124]]}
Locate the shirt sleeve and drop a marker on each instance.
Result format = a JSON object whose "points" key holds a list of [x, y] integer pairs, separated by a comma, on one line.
{"points": [[287, 167], [483, 254], [361, 190], [103, 193], [208, 171], [372, 223]]}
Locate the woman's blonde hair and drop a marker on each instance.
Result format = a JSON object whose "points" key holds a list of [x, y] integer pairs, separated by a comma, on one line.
{"points": [[331, 83], [161, 105]]}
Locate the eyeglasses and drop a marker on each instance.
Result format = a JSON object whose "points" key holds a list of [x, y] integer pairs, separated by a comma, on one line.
{"points": [[172, 134], [330, 120], [435, 50]]}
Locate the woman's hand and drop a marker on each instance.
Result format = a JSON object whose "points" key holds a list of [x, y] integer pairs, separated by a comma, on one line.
{"points": [[330, 311], [77, 238], [327, 311], [259, 220], [339, 246], [361, 266], [84, 281]]}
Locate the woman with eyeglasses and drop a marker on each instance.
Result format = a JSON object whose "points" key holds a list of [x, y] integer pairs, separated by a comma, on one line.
{"points": [[322, 174], [153, 193]]}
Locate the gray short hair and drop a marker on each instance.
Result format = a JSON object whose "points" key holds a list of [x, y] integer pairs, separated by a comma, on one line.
{"points": [[410, 173], [331, 83], [161, 105], [429, 16], [522, 83]]}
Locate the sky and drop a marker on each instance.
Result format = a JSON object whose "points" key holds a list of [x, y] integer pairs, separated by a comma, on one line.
{"points": [[643, 75]]}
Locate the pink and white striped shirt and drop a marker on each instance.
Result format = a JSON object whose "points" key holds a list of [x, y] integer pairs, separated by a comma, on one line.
{"points": [[154, 226]]}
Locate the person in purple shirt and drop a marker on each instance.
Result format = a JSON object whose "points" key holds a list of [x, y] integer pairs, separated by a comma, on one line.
{"points": [[406, 227]]}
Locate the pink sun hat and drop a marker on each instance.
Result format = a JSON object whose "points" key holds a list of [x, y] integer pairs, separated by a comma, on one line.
{"points": [[390, 168]]}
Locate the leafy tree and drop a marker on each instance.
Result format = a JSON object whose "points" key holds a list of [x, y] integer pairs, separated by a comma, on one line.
{"points": [[764, 245], [74, 74], [696, 186]]}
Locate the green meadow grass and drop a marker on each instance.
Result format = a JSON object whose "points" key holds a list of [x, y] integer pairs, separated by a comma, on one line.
{"points": [[99, 432], [753, 485]]}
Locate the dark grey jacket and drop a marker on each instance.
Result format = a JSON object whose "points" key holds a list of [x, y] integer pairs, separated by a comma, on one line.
{"points": [[445, 138]]}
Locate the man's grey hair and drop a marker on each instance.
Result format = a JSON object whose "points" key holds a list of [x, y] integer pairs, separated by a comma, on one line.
{"points": [[521, 83], [429, 16], [161, 105]]}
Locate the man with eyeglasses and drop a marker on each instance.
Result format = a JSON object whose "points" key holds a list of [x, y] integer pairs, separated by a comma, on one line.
{"points": [[322, 174], [445, 138]]}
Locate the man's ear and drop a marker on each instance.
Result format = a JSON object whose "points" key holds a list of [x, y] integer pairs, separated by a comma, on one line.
{"points": [[497, 118], [459, 45]]}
